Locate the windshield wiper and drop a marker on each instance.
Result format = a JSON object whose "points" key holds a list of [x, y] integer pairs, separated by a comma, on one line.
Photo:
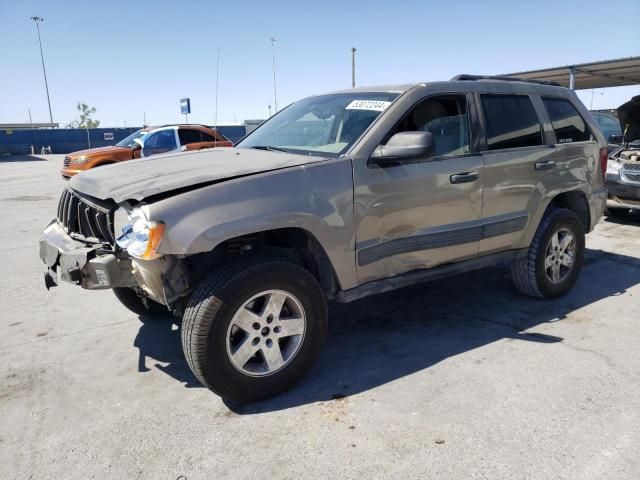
{"points": [[271, 148]]}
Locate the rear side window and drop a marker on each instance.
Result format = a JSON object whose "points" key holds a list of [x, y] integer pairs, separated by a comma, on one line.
{"points": [[511, 122], [207, 138], [188, 135], [567, 122]]}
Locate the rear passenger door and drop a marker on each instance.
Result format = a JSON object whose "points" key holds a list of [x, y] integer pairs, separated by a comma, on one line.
{"points": [[518, 165], [576, 150]]}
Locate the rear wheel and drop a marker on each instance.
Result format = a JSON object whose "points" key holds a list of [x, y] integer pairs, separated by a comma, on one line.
{"points": [[253, 328], [141, 306], [555, 257]]}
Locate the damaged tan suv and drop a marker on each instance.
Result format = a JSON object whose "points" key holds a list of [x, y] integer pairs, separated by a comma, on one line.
{"points": [[336, 197]]}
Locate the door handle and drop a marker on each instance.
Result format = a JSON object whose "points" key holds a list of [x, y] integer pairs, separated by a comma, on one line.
{"points": [[464, 177], [548, 165]]}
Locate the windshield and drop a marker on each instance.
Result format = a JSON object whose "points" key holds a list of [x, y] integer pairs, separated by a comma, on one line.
{"points": [[129, 141], [608, 124], [325, 125]]}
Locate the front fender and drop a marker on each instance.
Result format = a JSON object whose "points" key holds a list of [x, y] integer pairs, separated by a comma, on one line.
{"points": [[316, 197]]}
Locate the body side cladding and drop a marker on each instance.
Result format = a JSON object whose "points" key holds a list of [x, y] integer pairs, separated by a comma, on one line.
{"points": [[426, 275], [452, 236]]}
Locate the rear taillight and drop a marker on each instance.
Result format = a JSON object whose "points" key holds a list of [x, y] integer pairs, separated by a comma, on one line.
{"points": [[604, 156]]}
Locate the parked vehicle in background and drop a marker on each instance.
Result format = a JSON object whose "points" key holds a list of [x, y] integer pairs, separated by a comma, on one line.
{"points": [[337, 196], [623, 170], [144, 143], [610, 127]]}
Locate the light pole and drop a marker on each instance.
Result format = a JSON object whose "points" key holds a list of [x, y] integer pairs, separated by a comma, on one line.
{"points": [[37, 21], [353, 67], [275, 95], [592, 92]]}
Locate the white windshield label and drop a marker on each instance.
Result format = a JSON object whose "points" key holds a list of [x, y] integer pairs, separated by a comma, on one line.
{"points": [[375, 105]]}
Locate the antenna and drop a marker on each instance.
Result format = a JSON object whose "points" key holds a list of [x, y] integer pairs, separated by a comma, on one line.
{"points": [[215, 116]]}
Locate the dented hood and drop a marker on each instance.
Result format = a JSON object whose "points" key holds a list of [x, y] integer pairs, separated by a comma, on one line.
{"points": [[629, 114], [139, 179]]}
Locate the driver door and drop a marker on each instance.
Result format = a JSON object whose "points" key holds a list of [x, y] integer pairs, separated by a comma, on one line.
{"points": [[421, 212]]}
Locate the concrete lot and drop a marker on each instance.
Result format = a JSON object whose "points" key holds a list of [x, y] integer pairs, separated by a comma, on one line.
{"points": [[462, 378]]}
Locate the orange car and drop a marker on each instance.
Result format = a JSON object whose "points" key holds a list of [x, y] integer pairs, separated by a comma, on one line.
{"points": [[144, 143]]}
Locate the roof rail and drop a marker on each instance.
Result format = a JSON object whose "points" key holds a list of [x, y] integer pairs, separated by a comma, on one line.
{"points": [[503, 78]]}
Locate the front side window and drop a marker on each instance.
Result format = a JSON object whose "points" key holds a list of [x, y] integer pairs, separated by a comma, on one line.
{"points": [[159, 142], [567, 123], [325, 125], [511, 122], [446, 118]]}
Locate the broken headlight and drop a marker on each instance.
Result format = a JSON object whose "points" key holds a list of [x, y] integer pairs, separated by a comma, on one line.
{"points": [[137, 235]]}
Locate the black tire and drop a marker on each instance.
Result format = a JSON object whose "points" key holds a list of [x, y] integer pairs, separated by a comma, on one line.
{"points": [[211, 310], [528, 273], [130, 299]]}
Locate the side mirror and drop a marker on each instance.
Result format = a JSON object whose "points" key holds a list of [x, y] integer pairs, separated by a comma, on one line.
{"points": [[139, 143], [615, 139], [402, 146]]}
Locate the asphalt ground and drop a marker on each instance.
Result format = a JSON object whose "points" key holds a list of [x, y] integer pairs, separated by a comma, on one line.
{"points": [[458, 379]]}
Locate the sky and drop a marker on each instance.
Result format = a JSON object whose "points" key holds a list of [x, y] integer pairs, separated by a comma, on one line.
{"points": [[135, 59]]}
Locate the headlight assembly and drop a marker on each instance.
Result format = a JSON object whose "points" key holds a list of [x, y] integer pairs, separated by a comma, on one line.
{"points": [[138, 236], [613, 167], [79, 160]]}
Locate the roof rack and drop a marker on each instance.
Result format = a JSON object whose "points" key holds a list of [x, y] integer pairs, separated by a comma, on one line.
{"points": [[503, 78]]}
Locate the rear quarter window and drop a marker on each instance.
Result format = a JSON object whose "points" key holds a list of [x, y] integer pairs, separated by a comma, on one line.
{"points": [[567, 123]]}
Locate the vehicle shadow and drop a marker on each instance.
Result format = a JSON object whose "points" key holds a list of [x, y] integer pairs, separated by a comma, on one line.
{"points": [[21, 158], [631, 218], [158, 340], [380, 339]]}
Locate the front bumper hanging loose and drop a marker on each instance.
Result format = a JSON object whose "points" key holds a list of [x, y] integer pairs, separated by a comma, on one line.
{"points": [[87, 265]]}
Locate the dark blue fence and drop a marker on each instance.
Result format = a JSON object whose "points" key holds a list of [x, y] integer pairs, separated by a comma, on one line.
{"points": [[65, 140]]}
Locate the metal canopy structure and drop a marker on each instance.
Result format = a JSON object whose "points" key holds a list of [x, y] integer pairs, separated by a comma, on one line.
{"points": [[605, 73]]}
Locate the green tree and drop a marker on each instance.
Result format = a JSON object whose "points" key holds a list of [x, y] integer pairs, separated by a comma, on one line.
{"points": [[85, 120]]}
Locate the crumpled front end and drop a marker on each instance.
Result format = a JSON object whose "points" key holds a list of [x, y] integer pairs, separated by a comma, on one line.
{"points": [[79, 247]]}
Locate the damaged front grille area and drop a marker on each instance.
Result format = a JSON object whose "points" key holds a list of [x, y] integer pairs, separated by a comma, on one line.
{"points": [[67, 161], [85, 218]]}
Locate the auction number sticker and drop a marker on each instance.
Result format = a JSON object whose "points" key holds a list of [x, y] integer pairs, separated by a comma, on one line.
{"points": [[375, 105]]}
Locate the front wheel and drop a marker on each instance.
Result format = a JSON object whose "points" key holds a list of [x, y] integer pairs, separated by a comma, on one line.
{"points": [[253, 328], [555, 257]]}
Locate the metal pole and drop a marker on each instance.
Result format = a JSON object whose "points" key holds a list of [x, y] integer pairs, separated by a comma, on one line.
{"points": [[353, 67], [269, 107], [37, 21], [275, 96], [572, 78]]}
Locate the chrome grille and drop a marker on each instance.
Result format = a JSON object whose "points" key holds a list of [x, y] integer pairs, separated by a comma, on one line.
{"points": [[67, 161], [85, 218], [630, 176], [634, 166]]}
